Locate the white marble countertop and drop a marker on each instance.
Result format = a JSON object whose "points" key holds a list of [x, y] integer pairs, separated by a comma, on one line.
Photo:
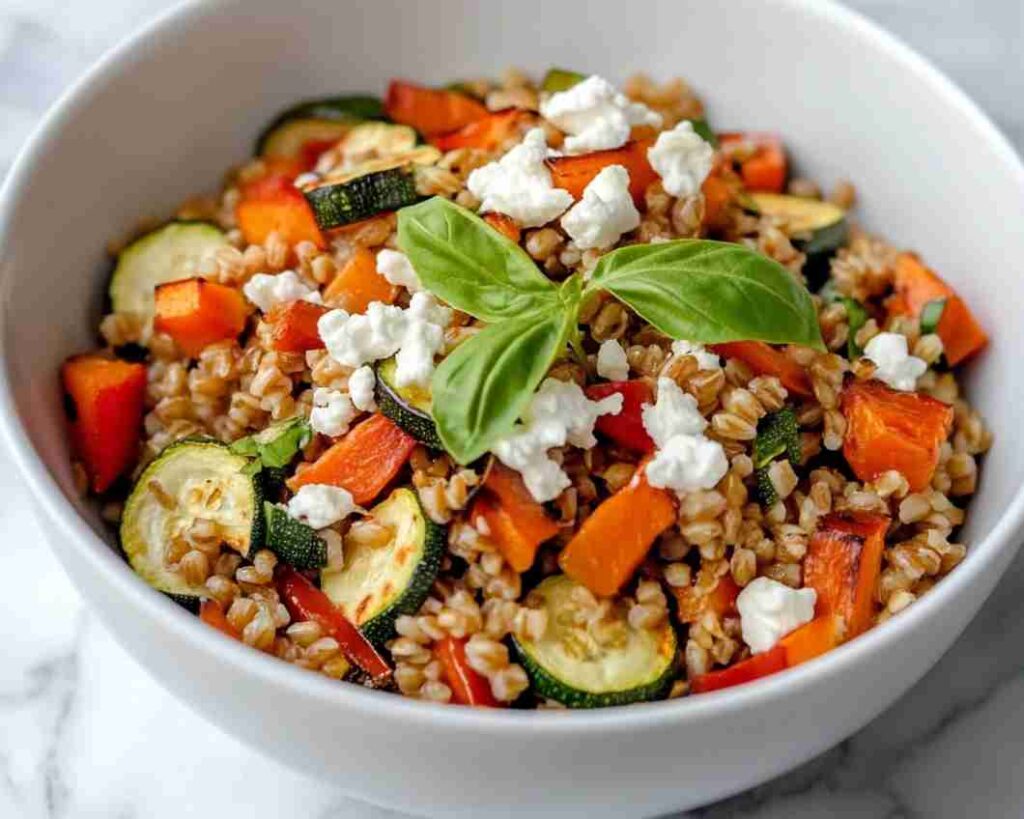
{"points": [[84, 732]]}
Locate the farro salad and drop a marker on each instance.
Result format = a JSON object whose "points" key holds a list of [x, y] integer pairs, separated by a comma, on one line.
{"points": [[520, 395]]}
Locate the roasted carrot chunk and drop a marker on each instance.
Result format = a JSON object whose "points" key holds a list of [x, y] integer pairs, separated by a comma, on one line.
{"points": [[754, 668], [294, 326], [764, 359], [486, 134], [812, 639], [213, 615], [364, 462], [273, 204], [358, 284], [195, 313], [887, 429], [574, 173], [613, 541], [915, 286], [105, 404], [505, 225], [719, 189], [842, 565], [760, 158], [515, 522], [468, 687], [431, 111], [721, 599], [626, 428]]}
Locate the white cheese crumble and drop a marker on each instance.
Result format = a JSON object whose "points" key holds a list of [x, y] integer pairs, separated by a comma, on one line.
{"points": [[596, 115], [268, 291], [319, 505], [686, 460], [415, 334], [893, 363], [559, 414], [611, 361], [682, 159], [360, 389], [705, 360], [398, 270], [770, 610], [605, 211], [519, 184], [332, 412]]}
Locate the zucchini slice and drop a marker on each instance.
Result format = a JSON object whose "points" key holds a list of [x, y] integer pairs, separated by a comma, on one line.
{"points": [[293, 541], [190, 479], [569, 665], [163, 255], [373, 187], [315, 120], [818, 227], [409, 407], [378, 140], [379, 583]]}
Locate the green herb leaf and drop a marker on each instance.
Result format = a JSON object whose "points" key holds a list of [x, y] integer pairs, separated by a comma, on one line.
{"points": [[856, 317], [710, 292], [466, 263], [778, 433], [703, 130], [560, 79], [485, 385], [931, 315], [275, 446]]}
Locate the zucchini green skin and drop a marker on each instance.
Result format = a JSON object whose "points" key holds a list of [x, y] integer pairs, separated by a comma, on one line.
{"points": [[335, 109], [293, 541], [342, 203], [547, 683], [355, 587], [144, 520], [158, 257], [411, 412]]}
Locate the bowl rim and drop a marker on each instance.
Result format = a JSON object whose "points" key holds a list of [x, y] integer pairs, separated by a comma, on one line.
{"points": [[270, 670]]}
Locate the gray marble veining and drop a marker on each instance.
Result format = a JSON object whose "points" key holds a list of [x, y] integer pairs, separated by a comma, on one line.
{"points": [[84, 732]]}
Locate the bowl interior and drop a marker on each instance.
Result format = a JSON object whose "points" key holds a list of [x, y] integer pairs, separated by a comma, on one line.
{"points": [[163, 119]]}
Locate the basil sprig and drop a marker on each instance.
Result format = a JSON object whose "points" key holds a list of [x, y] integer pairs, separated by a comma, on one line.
{"points": [[691, 289]]}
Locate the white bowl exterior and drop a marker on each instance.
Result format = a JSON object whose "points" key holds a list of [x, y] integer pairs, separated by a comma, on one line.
{"points": [[164, 116]]}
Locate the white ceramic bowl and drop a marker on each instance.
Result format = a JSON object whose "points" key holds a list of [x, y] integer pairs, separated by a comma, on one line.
{"points": [[161, 118]]}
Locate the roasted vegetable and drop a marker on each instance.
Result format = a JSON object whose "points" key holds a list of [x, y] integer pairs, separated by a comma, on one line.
{"points": [[486, 134], [760, 160], [431, 111], [358, 284], [468, 686], [625, 428], [293, 326], [293, 541], [197, 313], [272, 204], [887, 429], [764, 359], [574, 173]]}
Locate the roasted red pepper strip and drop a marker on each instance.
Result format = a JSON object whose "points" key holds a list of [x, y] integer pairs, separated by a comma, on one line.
{"points": [[306, 602], [754, 668], [627, 427], [212, 614], [760, 157], [764, 359], [431, 111], [485, 134], [468, 686]]}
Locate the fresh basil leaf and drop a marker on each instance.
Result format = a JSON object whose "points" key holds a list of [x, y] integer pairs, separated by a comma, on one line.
{"points": [[560, 79], [856, 317], [931, 315], [710, 292], [482, 388], [275, 446], [468, 264], [703, 130]]}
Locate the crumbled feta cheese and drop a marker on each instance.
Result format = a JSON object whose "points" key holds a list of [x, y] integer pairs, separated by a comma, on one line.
{"points": [[415, 334], [332, 412], [360, 389], [687, 463], [605, 212], [398, 270], [893, 363], [685, 460], [770, 610], [559, 414], [674, 413], [612, 362], [705, 360], [519, 184], [319, 505], [596, 115], [268, 291], [682, 159]]}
